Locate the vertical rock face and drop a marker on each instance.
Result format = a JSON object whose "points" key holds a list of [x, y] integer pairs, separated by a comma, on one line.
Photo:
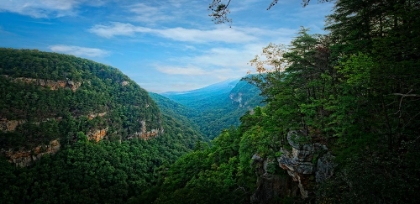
{"points": [[147, 134], [305, 160], [306, 164], [269, 185], [51, 84], [236, 98], [24, 158], [97, 135], [9, 125]]}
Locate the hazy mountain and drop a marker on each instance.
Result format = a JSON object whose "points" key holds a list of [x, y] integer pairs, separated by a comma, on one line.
{"points": [[201, 98], [218, 106]]}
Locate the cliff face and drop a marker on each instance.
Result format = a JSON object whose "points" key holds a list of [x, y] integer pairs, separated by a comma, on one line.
{"points": [[306, 160], [52, 97], [24, 157], [51, 84], [306, 164], [9, 125]]}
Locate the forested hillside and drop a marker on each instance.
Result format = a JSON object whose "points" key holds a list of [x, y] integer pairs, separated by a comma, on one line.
{"points": [[109, 138], [341, 124], [69, 95], [217, 107]]}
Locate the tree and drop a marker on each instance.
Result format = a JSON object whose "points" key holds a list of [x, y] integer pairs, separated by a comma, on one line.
{"points": [[220, 9]]}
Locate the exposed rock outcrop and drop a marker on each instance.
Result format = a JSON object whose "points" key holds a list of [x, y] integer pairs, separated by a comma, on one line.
{"points": [[236, 98], [9, 125], [24, 158], [51, 84], [124, 83], [270, 185], [145, 134], [304, 160], [306, 164], [97, 135], [94, 115]]}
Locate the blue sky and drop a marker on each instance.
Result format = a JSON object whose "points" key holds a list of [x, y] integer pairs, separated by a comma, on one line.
{"points": [[163, 45]]}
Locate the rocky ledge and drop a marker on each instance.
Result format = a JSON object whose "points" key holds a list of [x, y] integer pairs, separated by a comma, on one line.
{"points": [[306, 163]]}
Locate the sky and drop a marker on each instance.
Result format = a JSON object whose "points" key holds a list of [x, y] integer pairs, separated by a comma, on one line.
{"points": [[163, 45]]}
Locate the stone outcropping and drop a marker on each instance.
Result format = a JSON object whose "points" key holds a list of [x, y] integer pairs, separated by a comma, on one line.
{"points": [[24, 158], [306, 159], [236, 98], [146, 134], [270, 185], [124, 83], [97, 135], [9, 125], [51, 84], [94, 115], [306, 164]]}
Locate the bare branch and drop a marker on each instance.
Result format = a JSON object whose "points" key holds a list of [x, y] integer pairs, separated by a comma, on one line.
{"points": [[406, 95]]}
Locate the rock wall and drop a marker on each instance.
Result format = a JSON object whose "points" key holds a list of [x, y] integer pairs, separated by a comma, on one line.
{"points": [[24, 158], [51, 84], [305, 160], [146, 134], [97, 135], [269, 185], [306, 164], [94, 115], [9, 125]]}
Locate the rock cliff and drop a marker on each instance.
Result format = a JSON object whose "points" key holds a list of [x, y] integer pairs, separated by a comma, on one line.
{"points": [[305, 160], [306, 164], [51, 84], [24, 157]]}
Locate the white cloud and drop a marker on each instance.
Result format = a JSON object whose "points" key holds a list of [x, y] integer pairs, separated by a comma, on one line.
{"points": [[218, 34], [117, 29], [173, 70], [39, 8], [148, 14], [79, 51], [45, 8], [216, 63]]}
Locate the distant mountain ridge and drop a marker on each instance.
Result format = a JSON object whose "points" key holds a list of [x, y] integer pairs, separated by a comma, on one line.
{"points": [[199, 97], [216, 107]]}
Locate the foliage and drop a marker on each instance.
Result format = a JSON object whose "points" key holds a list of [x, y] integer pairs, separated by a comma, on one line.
{"points": [[89, 172], [216, 107]]}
